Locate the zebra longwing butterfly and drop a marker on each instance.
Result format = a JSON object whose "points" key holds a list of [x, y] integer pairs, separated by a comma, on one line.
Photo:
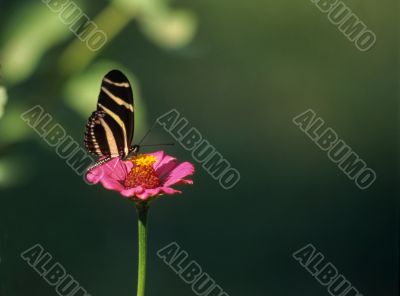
{"points": [[109, 130]]}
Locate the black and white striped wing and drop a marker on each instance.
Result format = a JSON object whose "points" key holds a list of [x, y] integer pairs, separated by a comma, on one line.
{"points": [[109, 131]]}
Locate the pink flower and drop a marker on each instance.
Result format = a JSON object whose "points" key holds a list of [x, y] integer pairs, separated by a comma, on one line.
{"points": [[143, 176]]}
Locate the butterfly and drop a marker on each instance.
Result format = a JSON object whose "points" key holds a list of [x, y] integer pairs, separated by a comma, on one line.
{"points": [[109, 130]]}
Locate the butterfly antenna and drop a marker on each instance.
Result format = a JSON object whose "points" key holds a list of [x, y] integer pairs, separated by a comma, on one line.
{"points": [[147, 133], [163, 144], [150, 145]]}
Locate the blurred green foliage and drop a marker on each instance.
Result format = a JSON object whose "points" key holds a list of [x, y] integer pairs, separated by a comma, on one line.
{"points": [[239, 71], [3, 99], [26, 44]]}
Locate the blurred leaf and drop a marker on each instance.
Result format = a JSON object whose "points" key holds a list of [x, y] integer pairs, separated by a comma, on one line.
{"points": [[12, 127], [14, 171], [31, 32], [143, 6], [163, 25], [81, 91], [77, 56], [170, 30], [3, 100]]}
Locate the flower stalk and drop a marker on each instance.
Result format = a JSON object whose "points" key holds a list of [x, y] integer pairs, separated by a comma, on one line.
{"points": [[142, 179], [142, 211]]}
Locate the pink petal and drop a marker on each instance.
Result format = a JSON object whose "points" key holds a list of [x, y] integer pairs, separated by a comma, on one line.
{"points": [[178, 174], [112, 184], [110, 174], [169, 190], [149, 193], [94, 176], [117, 169], [166, 166], [159, 155], [132, 191]]}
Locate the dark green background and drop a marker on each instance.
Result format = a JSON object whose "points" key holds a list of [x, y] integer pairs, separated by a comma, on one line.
{"points": [[250, 68]]}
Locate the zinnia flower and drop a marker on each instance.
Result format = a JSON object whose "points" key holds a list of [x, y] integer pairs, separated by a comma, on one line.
{"points": [[143, 176]]}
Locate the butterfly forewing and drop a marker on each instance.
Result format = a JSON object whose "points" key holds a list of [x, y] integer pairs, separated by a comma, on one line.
{"points": [[109, 130]]}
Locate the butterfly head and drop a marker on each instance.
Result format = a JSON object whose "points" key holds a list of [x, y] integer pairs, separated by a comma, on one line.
{"points": [[135, 149]]}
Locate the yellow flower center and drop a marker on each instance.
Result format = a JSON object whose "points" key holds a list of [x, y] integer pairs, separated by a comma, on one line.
{"points": [[142, 172]]}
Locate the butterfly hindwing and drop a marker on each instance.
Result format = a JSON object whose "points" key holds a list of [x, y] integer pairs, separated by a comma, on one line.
{"points": [[109, 131], [95, 138]]}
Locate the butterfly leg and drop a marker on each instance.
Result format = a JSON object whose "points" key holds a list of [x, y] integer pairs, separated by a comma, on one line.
{"points": [[99, 163]]}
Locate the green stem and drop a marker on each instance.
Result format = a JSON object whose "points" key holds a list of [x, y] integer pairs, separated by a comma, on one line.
{"points": [[142, 209]]}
